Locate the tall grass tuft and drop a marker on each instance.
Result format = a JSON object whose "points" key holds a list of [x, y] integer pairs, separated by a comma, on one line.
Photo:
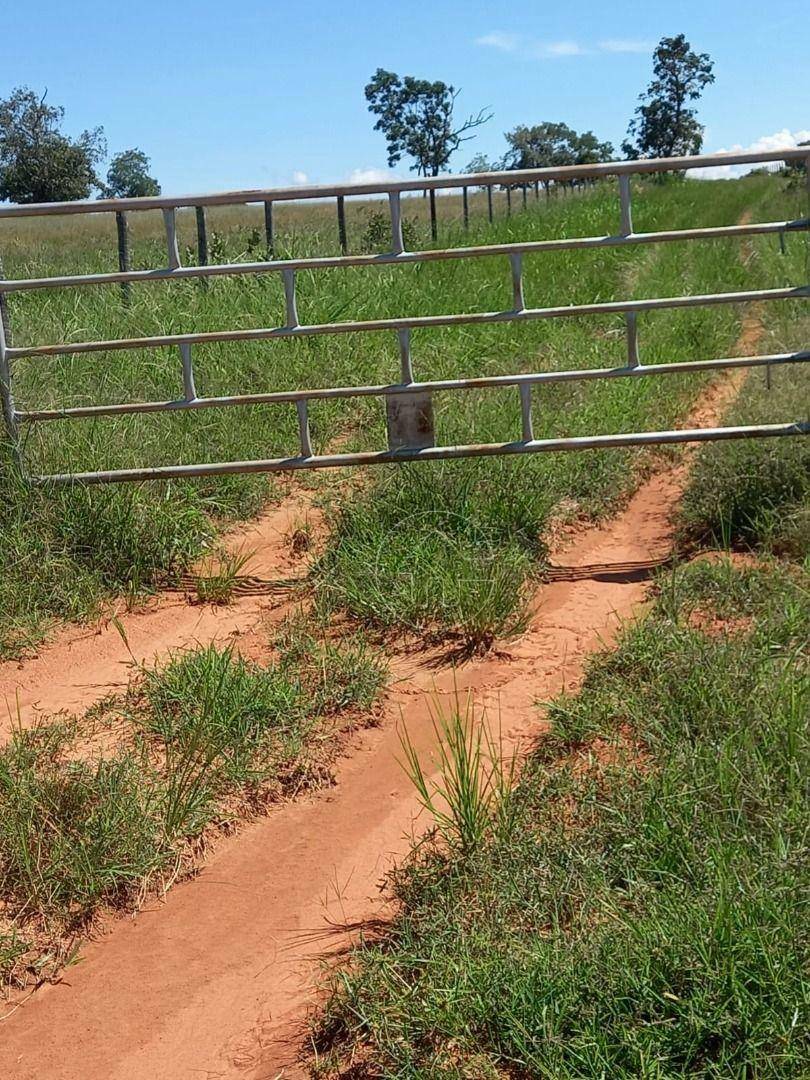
{"points": [[470, 796]]}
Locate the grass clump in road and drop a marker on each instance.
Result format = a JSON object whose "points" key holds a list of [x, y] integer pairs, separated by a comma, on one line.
{"points": [[200, 743], [641, 915]]}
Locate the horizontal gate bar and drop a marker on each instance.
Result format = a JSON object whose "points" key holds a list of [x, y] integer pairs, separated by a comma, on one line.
{"points": [[386, 389], [182, 273], [415, 322], [432, 453], [513, 178]]}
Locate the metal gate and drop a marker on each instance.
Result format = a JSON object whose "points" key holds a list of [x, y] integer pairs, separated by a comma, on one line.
{"points": [[408, 400]]}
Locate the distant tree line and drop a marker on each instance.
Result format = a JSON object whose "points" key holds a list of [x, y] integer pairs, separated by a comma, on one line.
{"points": [[39, 162], [416, 118]]}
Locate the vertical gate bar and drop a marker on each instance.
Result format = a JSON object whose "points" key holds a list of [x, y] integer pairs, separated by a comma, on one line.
{"points": [[4, 315], [395, 206], [170, 223], [341, 216], [202, 237], [523, 187], [289, 295], [465, 206], [781, 243], [537, 189], [303, 427], [631, 324], [516, 263], [189, 389], [526, 411], [122, 228], [508, 200], [268, 229], [405, 359], [626, 227], [434, 231], [489, 202], [7, 400]]}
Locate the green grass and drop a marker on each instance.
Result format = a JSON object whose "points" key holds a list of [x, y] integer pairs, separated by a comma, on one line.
{"points": [[454, 546], [88, 544], [643, 915], [755, 494], [95, 812]]}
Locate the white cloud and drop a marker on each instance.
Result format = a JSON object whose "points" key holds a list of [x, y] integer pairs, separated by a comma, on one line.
{"points": [[554, 49], [498, 40], [625, 45], [780, 140], [371, 176], [300, 178]]}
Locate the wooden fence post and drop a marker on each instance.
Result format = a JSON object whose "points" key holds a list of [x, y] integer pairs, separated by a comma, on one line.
{"points": [[434, 232], [341, 216], [268, 230], [122, 228], [202, 241]]}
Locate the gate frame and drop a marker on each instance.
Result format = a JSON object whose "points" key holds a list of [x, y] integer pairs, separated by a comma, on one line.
{"points": [[411, 437]]}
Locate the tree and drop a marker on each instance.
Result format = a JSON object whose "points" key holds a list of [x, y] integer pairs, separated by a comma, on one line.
{"points": [[551, 145], [38, 163], [664, 125], [480, 163], [128, 176], [416, 118]]}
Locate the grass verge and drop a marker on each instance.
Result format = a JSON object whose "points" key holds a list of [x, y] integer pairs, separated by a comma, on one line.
{"points": [[642, 915], [756, 494], [96, 813]]}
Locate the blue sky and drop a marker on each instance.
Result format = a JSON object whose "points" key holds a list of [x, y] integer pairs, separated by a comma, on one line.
{"points": [[245, 95]]}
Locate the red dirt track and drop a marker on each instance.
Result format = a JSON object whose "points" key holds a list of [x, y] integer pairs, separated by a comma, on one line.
{"points": [[215, 981]]}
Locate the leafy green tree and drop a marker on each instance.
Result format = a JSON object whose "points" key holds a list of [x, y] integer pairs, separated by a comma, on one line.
{"points": [[664, 124], [416, 118], [128, 176], [549, 145], [38, 162], [482, 164]]}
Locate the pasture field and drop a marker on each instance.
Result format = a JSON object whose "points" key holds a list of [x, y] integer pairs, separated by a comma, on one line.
{"points": [[635, 905], [96, 811], [65, 550]]}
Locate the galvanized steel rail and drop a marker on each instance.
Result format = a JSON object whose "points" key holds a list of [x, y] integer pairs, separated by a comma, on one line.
{"points": [[408, 402]]}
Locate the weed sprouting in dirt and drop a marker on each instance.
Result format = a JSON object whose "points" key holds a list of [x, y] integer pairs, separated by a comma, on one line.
{"points": [[471, 795], [218, 576]]}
